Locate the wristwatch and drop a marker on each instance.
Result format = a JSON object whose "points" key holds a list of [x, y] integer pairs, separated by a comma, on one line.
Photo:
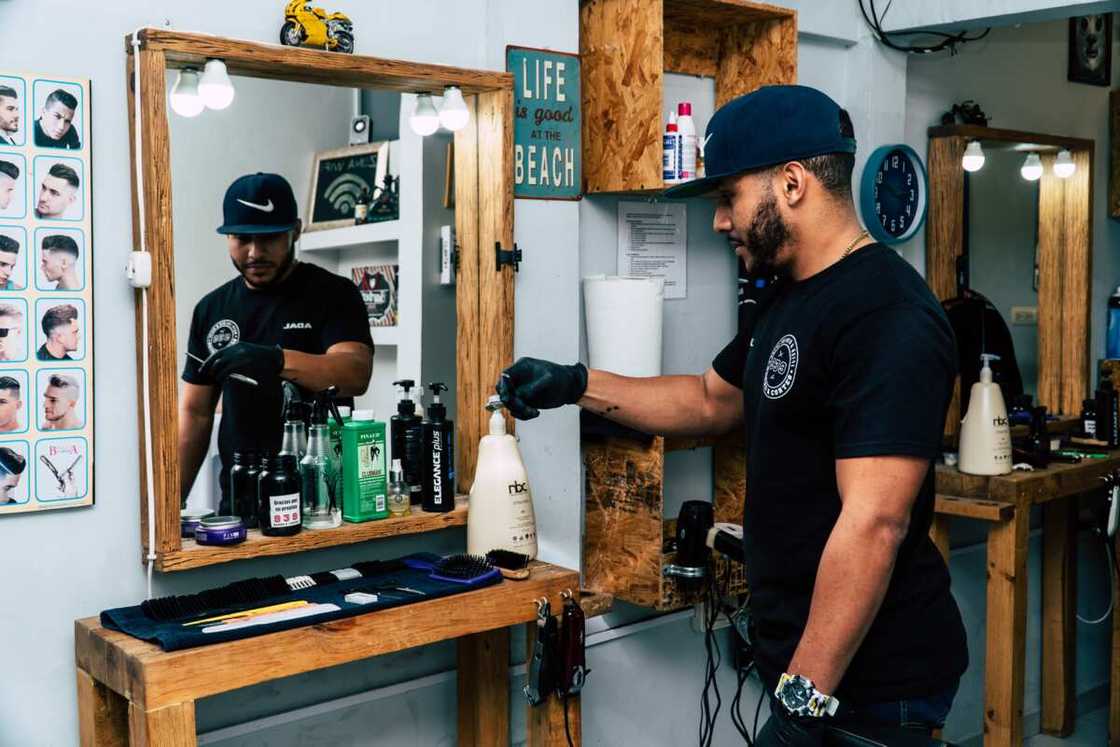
{"points": [[800, 698]]}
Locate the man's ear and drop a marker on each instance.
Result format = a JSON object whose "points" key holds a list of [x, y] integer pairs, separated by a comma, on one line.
{"points": [[794, 182], [297, 231]]}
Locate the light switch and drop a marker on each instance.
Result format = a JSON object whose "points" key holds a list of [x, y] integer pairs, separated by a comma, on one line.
{"points": [[1024, 315]]}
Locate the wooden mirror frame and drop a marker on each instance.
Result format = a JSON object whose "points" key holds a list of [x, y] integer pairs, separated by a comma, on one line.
{"points": [[483, 220], [1065, 244]]}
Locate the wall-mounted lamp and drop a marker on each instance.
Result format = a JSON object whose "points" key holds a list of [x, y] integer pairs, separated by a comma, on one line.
{"points": [[215, 88], [1032, 168], [185, 100], [453, 112], [1064, 165], [973, 158], [425, 119]]}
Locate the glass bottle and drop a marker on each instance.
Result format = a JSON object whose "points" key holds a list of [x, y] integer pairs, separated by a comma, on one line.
{"points": [[400, 497], [279, 499], [252, 480], [242, 494], [317, 478]]}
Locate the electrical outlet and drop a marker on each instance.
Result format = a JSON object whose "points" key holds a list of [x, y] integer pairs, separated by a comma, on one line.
{"points": [[1024, 315]]}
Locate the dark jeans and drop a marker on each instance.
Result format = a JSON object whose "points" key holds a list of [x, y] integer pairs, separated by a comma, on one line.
{"points": [[926, 713]]}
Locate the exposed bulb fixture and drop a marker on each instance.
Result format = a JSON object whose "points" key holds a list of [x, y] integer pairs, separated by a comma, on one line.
{"points": [[453, 112], [215, 88], [973, 159], [424, 120], [1064, 165], [1032, 168], [184, 96]]}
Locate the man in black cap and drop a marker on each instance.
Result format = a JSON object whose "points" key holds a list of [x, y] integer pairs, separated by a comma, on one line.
{"points": [[841, 380], [279, 320]]}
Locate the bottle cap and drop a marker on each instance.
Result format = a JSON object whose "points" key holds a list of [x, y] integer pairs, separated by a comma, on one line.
{"points": [[343, 411], [362, 415], [684, 109]]}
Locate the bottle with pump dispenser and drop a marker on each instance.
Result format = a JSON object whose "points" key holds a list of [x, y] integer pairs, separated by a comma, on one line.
{"points": [[500, 513], [985, 447], [438, 475], [407, 439], [400, 501]]}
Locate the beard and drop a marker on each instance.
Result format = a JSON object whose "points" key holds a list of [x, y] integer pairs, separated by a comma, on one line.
{"points": [[766, 235], [280, 272]]}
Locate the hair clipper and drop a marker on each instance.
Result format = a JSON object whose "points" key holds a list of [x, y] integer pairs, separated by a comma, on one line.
{"points": [[573, 666], [543, 664]]}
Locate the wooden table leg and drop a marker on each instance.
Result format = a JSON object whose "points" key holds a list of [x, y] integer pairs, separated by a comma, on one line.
{"points": [[939, 533], [170, 726], [545, 722], [484, 689], [1114, 698], [1059, 616], [1006, 630], [102, 714]]}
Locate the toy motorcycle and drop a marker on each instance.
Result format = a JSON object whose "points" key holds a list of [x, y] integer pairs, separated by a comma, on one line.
{"points": [[305, 26]]}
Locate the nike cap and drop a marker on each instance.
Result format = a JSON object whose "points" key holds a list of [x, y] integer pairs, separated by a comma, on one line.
{"points": [[770, 126], [257, 204]]}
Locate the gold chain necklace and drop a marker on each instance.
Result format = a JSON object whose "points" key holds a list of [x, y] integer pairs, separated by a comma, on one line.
{"points": [[859, 237]]}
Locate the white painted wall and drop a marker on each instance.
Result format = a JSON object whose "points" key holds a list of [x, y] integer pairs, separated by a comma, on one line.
{"points": [[972, 14]]}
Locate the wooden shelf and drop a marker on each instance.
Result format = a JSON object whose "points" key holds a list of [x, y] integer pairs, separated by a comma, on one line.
{"points": [[194, 555], [333, 239]]}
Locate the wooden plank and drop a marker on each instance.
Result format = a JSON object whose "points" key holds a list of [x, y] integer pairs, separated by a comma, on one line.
{"points": [[102, 714], [1005, 645], [259, 60], [756, 54], [1056, 481], [1051, 248], [468, 386], [483, 677], [1076, 273], [691, 43], [595, 603], [1114, 154], [194, 555], [495, 225], [945, 218], [951, 481], [729, 468], [620, 44], [939, 534], [545, 722], [1013, 137], [1114, 668], [156, 678], [170, 726], [972, 508], [623, 527], [1059, 617]]}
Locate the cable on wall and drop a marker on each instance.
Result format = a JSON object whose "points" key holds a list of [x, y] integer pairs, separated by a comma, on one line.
{"points": [[948, 41]]}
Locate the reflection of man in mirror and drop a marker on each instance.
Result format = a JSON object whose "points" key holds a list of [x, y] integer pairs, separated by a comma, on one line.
{"points": [[9, 255], [60, 325], [278, 320], [9, 115], [60, 404], [12, 465], [11, 332], [55, 126], [59, 262], [11, 402], [9, 173], [57, 192]]}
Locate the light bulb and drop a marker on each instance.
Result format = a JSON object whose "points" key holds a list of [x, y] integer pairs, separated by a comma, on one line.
{"points": [[215, 88], [1064, 165], [973, 159], [1032, 168], [453, 112], [184, 96], [424, 120]]}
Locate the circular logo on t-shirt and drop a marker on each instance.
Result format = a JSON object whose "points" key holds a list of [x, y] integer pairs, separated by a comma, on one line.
{"points": [[781, 369], [222, 335]]}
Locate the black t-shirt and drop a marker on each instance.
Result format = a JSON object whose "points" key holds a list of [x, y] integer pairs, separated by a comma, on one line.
{"points": [[69, 141], [44, 354], [310, 311], [855, 361]]}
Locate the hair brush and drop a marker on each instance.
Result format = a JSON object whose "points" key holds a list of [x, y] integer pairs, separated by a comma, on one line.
{"points": [[512, 565]]}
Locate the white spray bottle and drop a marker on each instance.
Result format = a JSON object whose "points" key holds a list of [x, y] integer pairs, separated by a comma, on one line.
{"points": [[500, 512], [985, 433]]}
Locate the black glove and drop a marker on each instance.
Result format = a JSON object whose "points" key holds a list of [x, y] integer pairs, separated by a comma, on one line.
{"points": [[530, 385], [257, 362], [784, 730]]}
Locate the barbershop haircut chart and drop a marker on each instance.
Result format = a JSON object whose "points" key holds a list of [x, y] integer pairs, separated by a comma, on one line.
{"points": [[46, 293]]}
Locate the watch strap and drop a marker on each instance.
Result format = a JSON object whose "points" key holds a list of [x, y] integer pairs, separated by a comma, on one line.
{"points": [[819, 704]]}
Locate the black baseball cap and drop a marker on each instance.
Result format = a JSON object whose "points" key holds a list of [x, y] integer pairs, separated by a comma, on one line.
{"points": [[772, 125], [257, 204]]}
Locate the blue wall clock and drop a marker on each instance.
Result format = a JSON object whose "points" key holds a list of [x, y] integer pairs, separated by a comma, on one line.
{"points": [[894, 193]]}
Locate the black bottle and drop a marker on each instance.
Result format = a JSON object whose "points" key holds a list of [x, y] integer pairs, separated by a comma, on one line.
{"points": [[438, 476], [242, 493], [407, 439], [1040, 435], [1089, 418], [1108, 413], [252, 477], [278, 497]]}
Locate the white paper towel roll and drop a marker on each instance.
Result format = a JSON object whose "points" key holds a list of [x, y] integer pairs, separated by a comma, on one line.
{"points": [[624, 323]]}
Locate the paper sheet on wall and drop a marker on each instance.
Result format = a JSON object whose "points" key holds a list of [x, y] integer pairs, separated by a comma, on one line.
{"points": [[651, 243]]}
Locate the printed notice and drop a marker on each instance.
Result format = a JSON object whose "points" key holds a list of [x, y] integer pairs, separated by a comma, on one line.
{"points": [[651, 243]]}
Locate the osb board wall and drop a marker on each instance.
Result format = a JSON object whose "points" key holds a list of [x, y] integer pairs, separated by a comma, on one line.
{"points": [[1114, 154]]}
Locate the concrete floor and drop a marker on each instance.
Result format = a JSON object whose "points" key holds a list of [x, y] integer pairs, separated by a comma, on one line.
{"points": [[1091, 731]]}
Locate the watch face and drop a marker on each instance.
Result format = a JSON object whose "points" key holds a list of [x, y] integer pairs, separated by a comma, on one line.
{"points": [[795, 695]]}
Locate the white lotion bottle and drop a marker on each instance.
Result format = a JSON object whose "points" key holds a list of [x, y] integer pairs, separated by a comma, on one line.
{"points": [[500, 512], [985, 433]]}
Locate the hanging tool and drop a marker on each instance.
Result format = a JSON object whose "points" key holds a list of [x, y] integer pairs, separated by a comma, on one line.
{"points": [[543, 662]]}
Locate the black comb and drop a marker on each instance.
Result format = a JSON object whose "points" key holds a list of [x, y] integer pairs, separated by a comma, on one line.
{"points": [[246, 591], [508, 559]]}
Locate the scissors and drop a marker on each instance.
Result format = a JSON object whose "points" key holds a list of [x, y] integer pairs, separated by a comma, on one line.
{"points": [[237, 376], [66, 477]]}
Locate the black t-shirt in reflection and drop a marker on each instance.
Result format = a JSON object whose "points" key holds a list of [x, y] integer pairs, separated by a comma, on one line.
{"points": [[855, 361], [310, 311]]}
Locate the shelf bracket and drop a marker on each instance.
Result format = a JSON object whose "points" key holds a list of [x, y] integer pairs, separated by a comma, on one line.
{"points": [[511, 257]]}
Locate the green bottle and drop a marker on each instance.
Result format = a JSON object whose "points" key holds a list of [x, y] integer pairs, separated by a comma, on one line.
{"points": [[364, 485]]}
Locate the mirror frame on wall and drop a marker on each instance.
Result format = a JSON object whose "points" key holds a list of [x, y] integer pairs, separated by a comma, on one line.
{"points": [[483, 219], [1065, 247]]}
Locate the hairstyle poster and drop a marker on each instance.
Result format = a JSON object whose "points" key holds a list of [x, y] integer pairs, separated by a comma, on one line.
{"points": [[46, 293]]}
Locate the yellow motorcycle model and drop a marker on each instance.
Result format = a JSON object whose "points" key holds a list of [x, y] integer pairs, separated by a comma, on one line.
{"points": [[305, 26]]}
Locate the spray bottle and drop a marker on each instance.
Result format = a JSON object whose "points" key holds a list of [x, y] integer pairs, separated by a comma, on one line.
{"points": [[500, 513], [985, 447], [407, 439], [439, 455]]}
